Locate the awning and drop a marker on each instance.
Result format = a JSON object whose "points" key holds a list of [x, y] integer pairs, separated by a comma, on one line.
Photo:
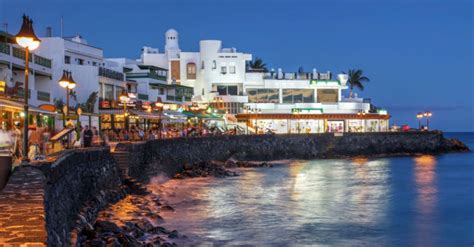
{"points": [[147, 115], [19, 106]]}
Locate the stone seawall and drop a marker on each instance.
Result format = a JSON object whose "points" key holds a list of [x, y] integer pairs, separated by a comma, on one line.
{"points": [[50, 202], [169, 156]]}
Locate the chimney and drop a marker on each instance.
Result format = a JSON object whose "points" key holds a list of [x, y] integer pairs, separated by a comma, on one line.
{"points": [[49, 32]]}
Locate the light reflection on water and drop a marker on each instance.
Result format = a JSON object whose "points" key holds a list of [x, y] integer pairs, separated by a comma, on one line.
{"points": [[361, 202]]}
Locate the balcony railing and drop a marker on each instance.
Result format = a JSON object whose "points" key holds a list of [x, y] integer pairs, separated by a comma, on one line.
{"points": [[171, 98], [44, 96], [43, 61], [154, 75], [112, 74], [20, 53], [5, 48]]}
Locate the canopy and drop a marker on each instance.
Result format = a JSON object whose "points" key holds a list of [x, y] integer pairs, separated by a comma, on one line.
{"points": [[19, 106]]}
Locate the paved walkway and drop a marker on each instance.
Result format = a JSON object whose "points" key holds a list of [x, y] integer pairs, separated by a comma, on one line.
{"points": [[22, 214]]}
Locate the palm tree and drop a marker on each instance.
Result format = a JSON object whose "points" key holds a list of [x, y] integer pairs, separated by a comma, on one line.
{"points": [[88, 106], [356, 80], [258, 64]]}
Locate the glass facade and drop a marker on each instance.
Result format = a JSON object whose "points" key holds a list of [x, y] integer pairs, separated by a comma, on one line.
{"points": [[291, 96], [328, 95], [263, 95]]}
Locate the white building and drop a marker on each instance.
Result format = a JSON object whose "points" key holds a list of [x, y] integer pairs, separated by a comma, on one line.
{"points": [[89, 70], [12, 83], [280, 100]]}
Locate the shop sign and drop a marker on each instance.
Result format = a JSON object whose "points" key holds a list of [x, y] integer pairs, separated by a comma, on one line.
{"points": [[105, 104], [306, 111], [48, 107]]}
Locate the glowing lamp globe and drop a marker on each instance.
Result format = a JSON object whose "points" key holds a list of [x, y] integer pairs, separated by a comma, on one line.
{"points": [[64, 81], [27, 38], [72, 83], [124, 96]]}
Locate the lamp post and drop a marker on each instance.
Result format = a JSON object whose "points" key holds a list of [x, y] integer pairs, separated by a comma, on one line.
{"points": [[419, 116], [427, 114], [159, 105], [124, 99], [27, 39], [67, 83]]}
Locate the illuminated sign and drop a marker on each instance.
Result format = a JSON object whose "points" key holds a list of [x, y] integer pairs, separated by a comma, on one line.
{"points": [[326, 82], [306, 111]]}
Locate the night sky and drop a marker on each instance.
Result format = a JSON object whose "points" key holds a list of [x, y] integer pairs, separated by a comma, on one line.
{"points": [[418, 54]]}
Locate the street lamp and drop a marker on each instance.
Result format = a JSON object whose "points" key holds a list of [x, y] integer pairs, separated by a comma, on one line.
{"points": [[68, 83], [427, 114], [124, 99], [27, 39], [419, 116]]}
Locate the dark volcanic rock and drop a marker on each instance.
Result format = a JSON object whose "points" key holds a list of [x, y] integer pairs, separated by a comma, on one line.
{"points": [[453, 145], [204, 169], [106, 226]]}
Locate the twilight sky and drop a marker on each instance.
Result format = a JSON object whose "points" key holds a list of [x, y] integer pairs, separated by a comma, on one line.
{"points": [[418, 54]]}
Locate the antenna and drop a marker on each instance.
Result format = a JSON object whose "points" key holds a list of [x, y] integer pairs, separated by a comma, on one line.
{"points": [[62, 27]]}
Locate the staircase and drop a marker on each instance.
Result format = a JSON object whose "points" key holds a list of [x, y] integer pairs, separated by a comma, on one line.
{"points": [[122, 159]]}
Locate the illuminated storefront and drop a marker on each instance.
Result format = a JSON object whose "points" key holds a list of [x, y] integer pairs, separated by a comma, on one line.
{"points": [[11, 113], [314, 123]]}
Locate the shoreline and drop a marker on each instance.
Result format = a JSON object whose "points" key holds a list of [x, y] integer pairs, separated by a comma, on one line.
{"points": [[147, 206]]}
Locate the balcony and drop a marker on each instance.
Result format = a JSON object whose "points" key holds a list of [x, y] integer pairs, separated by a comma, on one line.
{"points": [[42, 61], [152, 75], [20, 53], [5, 48], [112, 74]]}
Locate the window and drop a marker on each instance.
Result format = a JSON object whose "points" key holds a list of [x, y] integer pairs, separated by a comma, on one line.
{"points": [[327, 95], [232, 69], [67, 59], [80, 61], [202, 64], [227, 90], [263, 95], [118, 92], [223, 70], [161, 91], [214, 64], [94, 63], [291, 96], [191, 71]]}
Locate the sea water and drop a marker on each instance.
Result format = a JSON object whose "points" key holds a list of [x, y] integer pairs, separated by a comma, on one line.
{"points": [[397, 201]]}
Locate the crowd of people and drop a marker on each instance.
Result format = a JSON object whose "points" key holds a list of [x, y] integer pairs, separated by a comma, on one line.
{"points": [[138, 134], [40, 143]]}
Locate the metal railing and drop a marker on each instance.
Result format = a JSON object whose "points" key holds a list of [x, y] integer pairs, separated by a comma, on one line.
{"points": [[42, 61], [5, 48], [112, 74], [20, 53]]}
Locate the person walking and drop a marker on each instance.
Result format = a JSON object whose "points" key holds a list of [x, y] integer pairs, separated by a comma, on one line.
{"points": [[87, 136]]}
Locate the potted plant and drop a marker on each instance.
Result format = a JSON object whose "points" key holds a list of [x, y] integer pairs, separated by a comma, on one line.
{"points": [[6, 158]]}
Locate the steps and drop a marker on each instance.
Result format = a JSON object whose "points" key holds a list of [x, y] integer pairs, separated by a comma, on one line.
{"points": [[122, 159]]}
